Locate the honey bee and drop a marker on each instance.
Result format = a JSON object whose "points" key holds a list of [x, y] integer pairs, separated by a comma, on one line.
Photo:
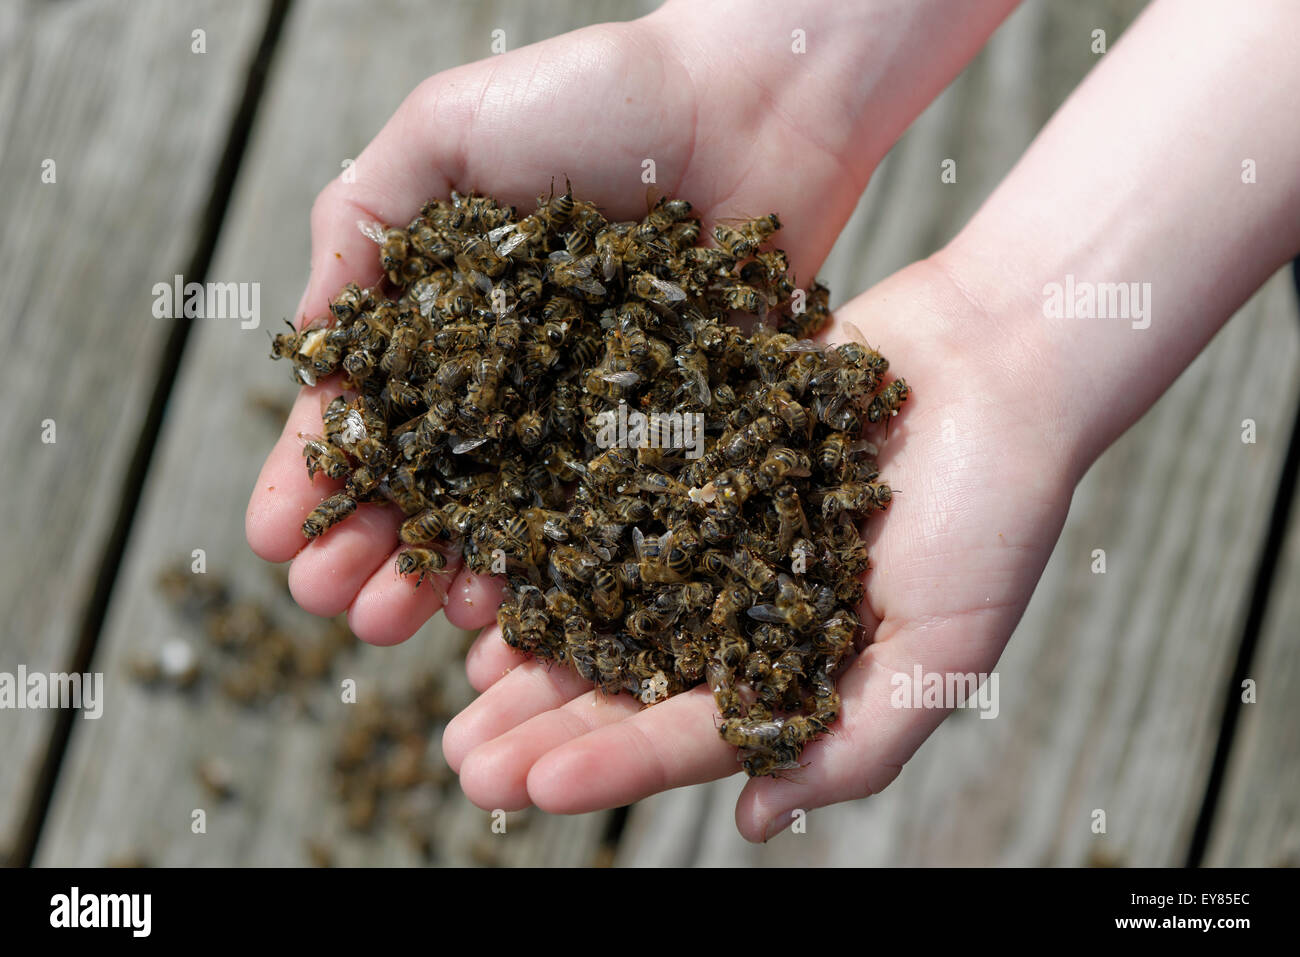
{"points": [[531, 429], [835, 638], [351, 302], [887, 403], [647, 621], [666, 213], [579, 641], [744, 733], [856, 498], [744, 298], [688, 598], [791, 608], [570, 563], [576, 274], [739, 445], [689, 657], [526, 235], [653, 289], [780, 463], [653, 557], [328, 514], [485, 386], [731, 601], [743, 239], [419, 561], [423, 528], [606, 594], [684, 235], [323, 456], [558, 212], [731, 490], [610, 659], [791, 517]]}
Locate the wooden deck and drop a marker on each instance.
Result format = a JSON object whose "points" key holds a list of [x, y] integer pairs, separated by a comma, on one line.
{"points": [[1120, 691]]}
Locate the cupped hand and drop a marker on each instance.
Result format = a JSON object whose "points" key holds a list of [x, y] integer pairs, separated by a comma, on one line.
{"points": [[594, 105], [983, 493]]}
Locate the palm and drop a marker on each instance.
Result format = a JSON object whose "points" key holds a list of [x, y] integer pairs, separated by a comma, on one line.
{"points": [[954, 562]]}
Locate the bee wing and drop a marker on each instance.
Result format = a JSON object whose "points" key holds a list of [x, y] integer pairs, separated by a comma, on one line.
{"points": [[767, 613], [511, 243], [495, 235], [854, 334], [463, 444], [372, 230], [669, 290], [425, 297], [621, 378], [354, 428], [805, 345], [697, 381], [638, 541]]}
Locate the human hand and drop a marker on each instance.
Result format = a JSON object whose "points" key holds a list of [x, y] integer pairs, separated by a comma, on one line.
{"points": [[594, 105], [955, 560]]}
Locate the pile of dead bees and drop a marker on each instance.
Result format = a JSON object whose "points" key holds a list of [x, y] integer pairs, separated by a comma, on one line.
{"points": [[572, 404]]}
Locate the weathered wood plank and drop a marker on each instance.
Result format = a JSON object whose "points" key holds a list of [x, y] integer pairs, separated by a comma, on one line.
{"points": [[1102, 688], [82, 85], [127, 784], [1257, 822]]}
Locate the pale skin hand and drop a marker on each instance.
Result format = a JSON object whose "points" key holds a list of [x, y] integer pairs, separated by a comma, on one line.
{"points": [[958, 554]]}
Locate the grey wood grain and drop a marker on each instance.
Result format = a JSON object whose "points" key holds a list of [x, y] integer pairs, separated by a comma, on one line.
{"points": [[127, 784], [1257, 821], [1104, 687], [133, 164]]}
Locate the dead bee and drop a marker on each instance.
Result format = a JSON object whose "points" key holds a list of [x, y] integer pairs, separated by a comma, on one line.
{"points": [[419, 561], [887, 403], [742, 239], [328, 514], [322, 456], [653, 289], [424, 528]]}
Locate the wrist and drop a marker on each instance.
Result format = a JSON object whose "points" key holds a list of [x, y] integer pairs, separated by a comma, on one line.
{"points": [[850, 77]]}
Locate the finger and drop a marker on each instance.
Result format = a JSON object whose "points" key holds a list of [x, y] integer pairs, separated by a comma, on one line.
{"points": [[472, 600], [390, 607], [328, 574], [401, 168], [495, 774], [490, 659], [528, 690], [873, 739], [284, 495], [670, 745]]}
